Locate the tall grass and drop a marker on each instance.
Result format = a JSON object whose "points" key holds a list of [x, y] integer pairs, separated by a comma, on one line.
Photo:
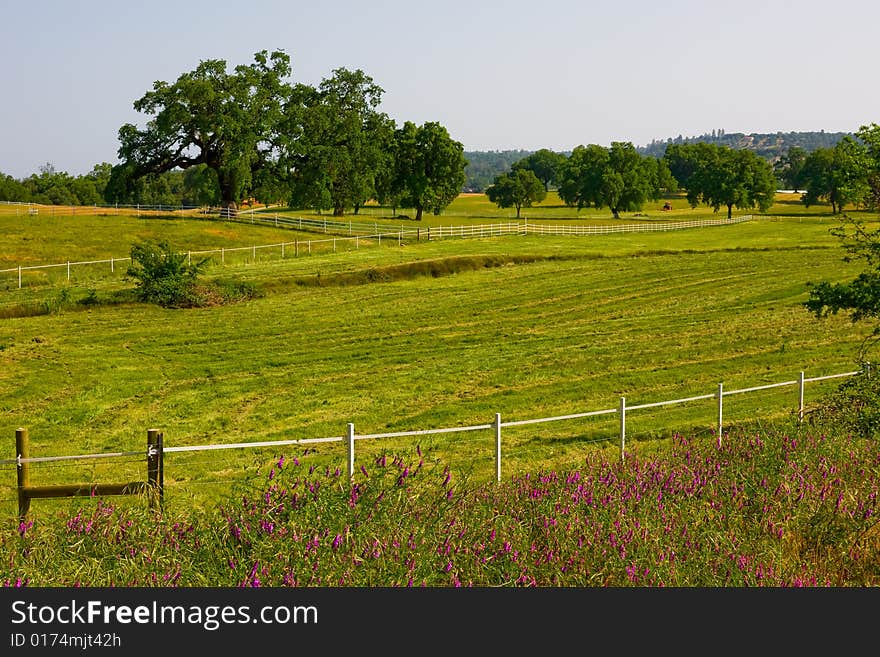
{"points": [[758, 508]]}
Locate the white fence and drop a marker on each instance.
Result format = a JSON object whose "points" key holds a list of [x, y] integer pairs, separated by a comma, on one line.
{"points": [[496, 426], [40, 209], [357, 232]]}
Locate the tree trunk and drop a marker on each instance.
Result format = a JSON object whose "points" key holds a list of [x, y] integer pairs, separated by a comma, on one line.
{"points": [[616, 213], [338, 212], [419, 213], [730, 210], [517, 211], [227, 195]]}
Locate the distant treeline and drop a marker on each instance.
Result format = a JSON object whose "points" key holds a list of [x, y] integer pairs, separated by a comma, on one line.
{"points": [[195, 187], [483, 166]]}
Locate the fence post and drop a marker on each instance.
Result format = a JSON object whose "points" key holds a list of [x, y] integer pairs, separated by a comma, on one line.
{"points": [[720, 409], [498, 447], [112, 267], [68, 270], [622, 410], [155, 467], [801, 397], [349, 435], [19, 277], [22, 451], [222, 256]]}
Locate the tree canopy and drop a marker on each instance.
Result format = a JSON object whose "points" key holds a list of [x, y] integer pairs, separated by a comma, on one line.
{"points": [[429, 167], [226, 121], [343, 144], [544, 163], [719, 176], [256, 135], [518, 189], [789, 168], [837, 175], [617, 177]]}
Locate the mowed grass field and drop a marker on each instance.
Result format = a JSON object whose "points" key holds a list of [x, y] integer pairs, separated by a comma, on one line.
{"points": [[564, 325]]}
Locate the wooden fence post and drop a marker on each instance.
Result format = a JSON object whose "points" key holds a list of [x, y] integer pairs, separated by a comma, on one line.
{"points": [[22, 451], [155, 467], [720, 410], [622, 410]]}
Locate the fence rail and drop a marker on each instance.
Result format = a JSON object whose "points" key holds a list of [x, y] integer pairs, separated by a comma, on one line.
{"points": [[355, 233], [156, 449]]}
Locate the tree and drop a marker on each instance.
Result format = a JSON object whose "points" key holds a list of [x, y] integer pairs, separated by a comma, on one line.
{"points": [[544, 163], [429, 166], [342, 144], [226, 121], [630, 179], [838, 175], [727, 177], [869, 135], [519, 188], [12, 189], [789, 168], [617, 177], [580, 177]]}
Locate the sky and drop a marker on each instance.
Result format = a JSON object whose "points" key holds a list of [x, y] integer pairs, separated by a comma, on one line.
{"points": [[499, 75]]}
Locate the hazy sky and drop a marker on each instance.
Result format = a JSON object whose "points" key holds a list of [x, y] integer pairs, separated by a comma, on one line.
{"points": [[498, 74]]}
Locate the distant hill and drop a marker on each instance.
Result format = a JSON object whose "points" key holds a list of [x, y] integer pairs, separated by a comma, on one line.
{"points": [[771, 146], [483, 166]]}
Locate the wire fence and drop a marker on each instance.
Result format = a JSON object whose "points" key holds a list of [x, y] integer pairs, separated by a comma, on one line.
{"points": [[352, 235], [156, 449]]}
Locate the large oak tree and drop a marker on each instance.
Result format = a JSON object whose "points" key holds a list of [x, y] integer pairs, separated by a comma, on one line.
{"points": [[228, 121]]}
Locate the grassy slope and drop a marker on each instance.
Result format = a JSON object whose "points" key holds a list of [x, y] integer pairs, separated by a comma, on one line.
{"points": [[648, 316]]}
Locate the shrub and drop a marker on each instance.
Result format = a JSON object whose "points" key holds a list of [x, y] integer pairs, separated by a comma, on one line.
{"points": [[163, 276], [854, 407]]}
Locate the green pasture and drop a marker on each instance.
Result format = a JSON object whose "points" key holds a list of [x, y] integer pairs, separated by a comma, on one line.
{"points": [[651, 317], [477, 208]]}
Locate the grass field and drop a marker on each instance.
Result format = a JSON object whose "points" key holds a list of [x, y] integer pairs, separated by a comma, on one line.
{"points": [[557, 325]]}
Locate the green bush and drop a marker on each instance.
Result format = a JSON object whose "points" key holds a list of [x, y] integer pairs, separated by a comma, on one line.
{"points": [[165, 277]]}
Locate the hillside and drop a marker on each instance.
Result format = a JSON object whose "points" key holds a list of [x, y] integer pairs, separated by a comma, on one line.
{"points": [[768, 145]]}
